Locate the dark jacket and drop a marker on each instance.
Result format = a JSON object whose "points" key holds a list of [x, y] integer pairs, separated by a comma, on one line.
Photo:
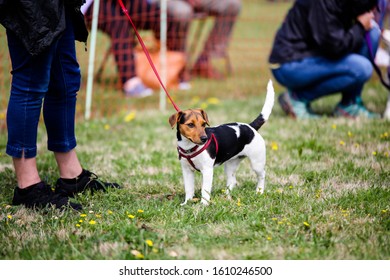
{"points": [[320, 28], [37, 23]]}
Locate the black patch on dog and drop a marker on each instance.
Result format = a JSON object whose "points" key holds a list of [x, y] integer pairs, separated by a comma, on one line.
{"points": [[228, 143]]}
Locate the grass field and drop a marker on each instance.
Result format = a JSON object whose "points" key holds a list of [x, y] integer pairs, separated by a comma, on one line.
{"points": [[327, 186]]}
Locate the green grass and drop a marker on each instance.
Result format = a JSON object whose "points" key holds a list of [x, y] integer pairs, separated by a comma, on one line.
{"points": [[327, 186]]}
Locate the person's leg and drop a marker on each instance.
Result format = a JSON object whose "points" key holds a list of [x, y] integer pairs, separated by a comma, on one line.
{"points": [[225, 13], [113, 22], [26, 171], [180, 14], [60, 105], [315, 77], [30, 78], [59, 116]]}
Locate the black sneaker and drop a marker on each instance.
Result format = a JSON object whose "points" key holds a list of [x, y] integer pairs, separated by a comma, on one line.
{"points": [[41, 195], [86, 180]]}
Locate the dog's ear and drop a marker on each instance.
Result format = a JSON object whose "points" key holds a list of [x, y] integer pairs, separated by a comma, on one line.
{"points": [[175, 118], [204, 115]]}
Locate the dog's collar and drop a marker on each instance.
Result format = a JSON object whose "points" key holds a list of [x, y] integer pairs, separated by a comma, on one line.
{"points": [[191, 153]]}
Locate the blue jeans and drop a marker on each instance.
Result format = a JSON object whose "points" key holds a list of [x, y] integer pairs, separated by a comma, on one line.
{"points": [[51, 78], [315, 77]]}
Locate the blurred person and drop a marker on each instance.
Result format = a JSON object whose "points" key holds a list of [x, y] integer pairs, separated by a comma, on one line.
{"points": [[319, 50], [145, 15], [225, 13], [41, 41]]}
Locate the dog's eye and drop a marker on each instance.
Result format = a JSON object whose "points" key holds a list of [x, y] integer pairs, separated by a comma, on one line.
{"points": [[190, 125]]}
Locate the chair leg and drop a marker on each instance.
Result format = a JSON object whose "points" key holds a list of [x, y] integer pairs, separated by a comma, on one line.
{"points": [[194, 43], [99, 72]]}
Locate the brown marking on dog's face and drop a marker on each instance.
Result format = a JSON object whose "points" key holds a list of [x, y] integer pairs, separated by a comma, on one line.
{"points": [[191, 124]]}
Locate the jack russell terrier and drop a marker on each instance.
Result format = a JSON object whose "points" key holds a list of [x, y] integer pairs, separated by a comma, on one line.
{"points": [[201, 148]]}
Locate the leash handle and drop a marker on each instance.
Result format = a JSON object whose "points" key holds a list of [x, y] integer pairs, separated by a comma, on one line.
{"points": [[372, 59], [147, 54]]}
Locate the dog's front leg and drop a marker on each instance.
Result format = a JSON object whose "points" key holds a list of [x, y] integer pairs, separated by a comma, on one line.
{"points": [[207, 182], [189, 182]]}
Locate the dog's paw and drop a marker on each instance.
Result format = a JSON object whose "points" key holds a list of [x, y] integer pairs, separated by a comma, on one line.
{"points": [[205, 202], [260, 191]]}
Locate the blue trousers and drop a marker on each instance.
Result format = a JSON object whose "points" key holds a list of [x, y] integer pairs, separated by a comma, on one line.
{"points": [[314, 77], [50, 80]]}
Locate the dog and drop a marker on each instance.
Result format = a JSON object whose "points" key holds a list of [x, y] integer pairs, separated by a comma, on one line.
{"points": [[201, 148]]}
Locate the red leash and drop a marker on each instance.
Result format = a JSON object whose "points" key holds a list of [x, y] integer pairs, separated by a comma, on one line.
{"points": [[147, 54]]}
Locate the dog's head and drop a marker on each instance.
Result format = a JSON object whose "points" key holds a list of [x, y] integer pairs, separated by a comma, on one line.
{"points": [[191, 124]]}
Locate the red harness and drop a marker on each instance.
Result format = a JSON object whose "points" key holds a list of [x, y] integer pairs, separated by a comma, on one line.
{"points": [[191, 153]]}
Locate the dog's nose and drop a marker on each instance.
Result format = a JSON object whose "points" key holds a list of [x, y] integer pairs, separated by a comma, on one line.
{"points": [[203, 139]]}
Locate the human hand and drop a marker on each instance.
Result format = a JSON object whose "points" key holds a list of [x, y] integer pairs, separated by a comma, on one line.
{"points": [[365, 20]]}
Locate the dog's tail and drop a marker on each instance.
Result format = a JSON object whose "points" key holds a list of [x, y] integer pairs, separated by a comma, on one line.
{"points": [[267, 108]]}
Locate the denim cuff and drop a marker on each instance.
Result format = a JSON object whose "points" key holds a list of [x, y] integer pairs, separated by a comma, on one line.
{"points": [[19, 152], [62, 147]]}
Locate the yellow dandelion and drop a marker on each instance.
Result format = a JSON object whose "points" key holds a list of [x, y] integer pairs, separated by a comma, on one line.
{"points": [[9, 216], [349, 133], [386, 154], [334, 126], [92, 222], [107, 127], [342, 143], [149, 242], [290, 187], [130, 116], [83, 215], [80, 221], [384, 211], [385, 135], [131, 216], [195, 100], [140, 211], [137, 254], [204, 105], [78, 225], [274, 146], [374, 153], [269, 238], [213, 100], [155, 250], [98, 215], [306, 224], [274, 219], [238, 202], [109, 212]]}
